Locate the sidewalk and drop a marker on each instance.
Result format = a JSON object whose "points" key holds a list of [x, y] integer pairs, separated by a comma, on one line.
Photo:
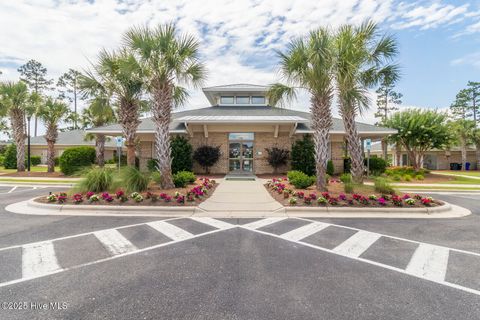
{"points": [[240, 196]]}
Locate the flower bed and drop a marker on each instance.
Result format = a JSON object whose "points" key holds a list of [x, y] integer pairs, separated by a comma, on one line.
{"points": [[365, 196], [191, 195]]}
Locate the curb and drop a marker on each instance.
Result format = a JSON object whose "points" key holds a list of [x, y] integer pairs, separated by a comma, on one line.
{"points": [[31, 207]]}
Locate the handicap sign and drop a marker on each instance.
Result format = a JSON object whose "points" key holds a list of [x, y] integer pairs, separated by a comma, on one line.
{"points": [[368, 144], [119, 140]]}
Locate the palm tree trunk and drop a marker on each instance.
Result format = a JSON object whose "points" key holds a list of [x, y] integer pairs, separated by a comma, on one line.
{"points": [[19, 137], [464, 154], [128, 118], [354, 146], [162, 108], [100, 149], [51, 155], [321, 124], [385, 149]]}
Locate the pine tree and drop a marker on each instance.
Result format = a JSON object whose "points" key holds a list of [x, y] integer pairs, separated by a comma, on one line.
{"points": [[34, 74], [68, 86]]}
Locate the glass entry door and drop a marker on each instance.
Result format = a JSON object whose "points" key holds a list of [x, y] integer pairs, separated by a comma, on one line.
{"points": [[240, 153]]}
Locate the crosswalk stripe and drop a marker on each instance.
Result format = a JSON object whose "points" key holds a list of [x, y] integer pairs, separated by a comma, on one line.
{"points": [[357, 244], [262, 223], [304, 231], [219, 224], [114, 242], [429, 261], [171, 231], [38, 259], [13, 189]]}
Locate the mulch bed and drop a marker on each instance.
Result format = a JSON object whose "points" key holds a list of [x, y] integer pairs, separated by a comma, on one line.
{"points": [[147, 197], [336, 192]]}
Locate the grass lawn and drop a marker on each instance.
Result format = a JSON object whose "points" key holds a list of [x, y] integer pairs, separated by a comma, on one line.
{"points": [[462, 173], [439, 187], [462, 180], [32, 169], [45, 181]]}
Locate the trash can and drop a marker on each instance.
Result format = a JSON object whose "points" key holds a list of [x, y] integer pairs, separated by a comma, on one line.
{"points": [[467, 166]]}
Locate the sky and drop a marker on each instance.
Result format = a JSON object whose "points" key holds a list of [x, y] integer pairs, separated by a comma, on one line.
{"points": [[438, 39]]}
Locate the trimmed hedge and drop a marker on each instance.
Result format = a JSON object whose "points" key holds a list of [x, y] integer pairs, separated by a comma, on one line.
{"points": [[75, 158], [10, 161], [35, 160], [183, 178], [181, 154], [377, 165], [300, 180], [303, 156]]}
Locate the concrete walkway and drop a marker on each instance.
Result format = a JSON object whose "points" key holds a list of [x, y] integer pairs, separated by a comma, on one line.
{"points": [[233, 196]]}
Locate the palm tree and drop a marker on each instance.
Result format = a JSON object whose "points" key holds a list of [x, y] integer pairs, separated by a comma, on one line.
{"points": [[117, 75], [463, 134], [98, 113], [13, 103], [51, 113], [308, 64], [362, 59], [168, 60]]}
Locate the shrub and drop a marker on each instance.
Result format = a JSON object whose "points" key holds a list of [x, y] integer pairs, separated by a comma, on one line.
{"points": [[152, 165], [277, 157], [207, 156], [346, 178], [300, 180], [419, 177], [330, 168], [2, 159], [377, 165], [10, 161], [35, 160], [383, 186], [181, 154], [156, 177], [75, 158], [96, 180], [303, 155], [182, 178], [407, 177], [133, 179], [348, 187], [57, 161], [397, 177]]}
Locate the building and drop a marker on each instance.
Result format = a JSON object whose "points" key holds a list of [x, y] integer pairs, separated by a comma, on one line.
{"points": [[435, 159], [242, 123], [74, 138]]}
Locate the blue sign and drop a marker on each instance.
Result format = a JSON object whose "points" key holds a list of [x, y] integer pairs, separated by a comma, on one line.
{"points": [[368, 144], [119, 140]]}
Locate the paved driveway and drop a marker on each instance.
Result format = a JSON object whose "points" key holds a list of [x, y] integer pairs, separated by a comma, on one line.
{"points": [[203, 268]]}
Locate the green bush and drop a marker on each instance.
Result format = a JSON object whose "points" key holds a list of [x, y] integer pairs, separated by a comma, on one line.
{"points": [[133, 180], [183, 178], [303, 155], [377, 165], [300, 180], [348, 187], [57, 161], [35, 160], [75, 158], [152, 165], [2, 159], [181, 154], [207, 156], [397, 177], [383, 186], [407, 177], [419, 177], [10, 161], [96, 180], [156, 177], [346, 178], [330, 168]]}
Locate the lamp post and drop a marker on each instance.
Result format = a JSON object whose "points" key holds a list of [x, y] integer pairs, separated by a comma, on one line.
{"points": [[28, 143]]}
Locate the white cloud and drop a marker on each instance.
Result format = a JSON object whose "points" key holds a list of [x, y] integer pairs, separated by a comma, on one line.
{"points": [[472, 59]]}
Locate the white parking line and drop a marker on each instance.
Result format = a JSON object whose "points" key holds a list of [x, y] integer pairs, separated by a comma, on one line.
{"points": [[114, 242], [429, 261], [171, 231], [38, 259], [262, 223], [357, 244], [304, 231], [219, 224]]}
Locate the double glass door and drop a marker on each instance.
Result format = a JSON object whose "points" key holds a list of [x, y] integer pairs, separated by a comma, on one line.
{"points": [[240, 154]]}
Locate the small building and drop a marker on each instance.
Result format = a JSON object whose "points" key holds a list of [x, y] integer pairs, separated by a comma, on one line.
{"points": [[67, 139], [242, 123]]}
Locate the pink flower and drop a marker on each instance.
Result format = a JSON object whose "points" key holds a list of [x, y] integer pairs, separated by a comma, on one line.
{"points": [[105, 195], [167, 198], [77, 198], [119, 194], [89, 194], [382, 201], [342, 197]]}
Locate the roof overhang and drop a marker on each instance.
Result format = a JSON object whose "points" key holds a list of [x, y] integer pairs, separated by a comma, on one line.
{"points": [[242, 119]]}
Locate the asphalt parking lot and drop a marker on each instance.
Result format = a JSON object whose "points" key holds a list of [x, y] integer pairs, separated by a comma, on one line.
{"points": [[66, 267]]}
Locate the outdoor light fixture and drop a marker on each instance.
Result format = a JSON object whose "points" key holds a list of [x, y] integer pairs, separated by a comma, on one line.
{"points": [[28, 143]]}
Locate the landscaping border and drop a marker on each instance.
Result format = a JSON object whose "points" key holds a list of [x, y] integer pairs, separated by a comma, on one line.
{"points": [[35, 208]]}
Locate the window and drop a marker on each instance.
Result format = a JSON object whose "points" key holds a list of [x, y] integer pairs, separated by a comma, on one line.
{"points": [[226, 100], [258, 100], [243, 100], [241, 136]]}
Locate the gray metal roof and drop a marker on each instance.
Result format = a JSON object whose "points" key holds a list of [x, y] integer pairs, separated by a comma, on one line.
{"points": [[70, 138], [265, 112]]}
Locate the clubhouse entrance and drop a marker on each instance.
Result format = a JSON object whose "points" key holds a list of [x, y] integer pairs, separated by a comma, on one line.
{"points": [[240, 152]]}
